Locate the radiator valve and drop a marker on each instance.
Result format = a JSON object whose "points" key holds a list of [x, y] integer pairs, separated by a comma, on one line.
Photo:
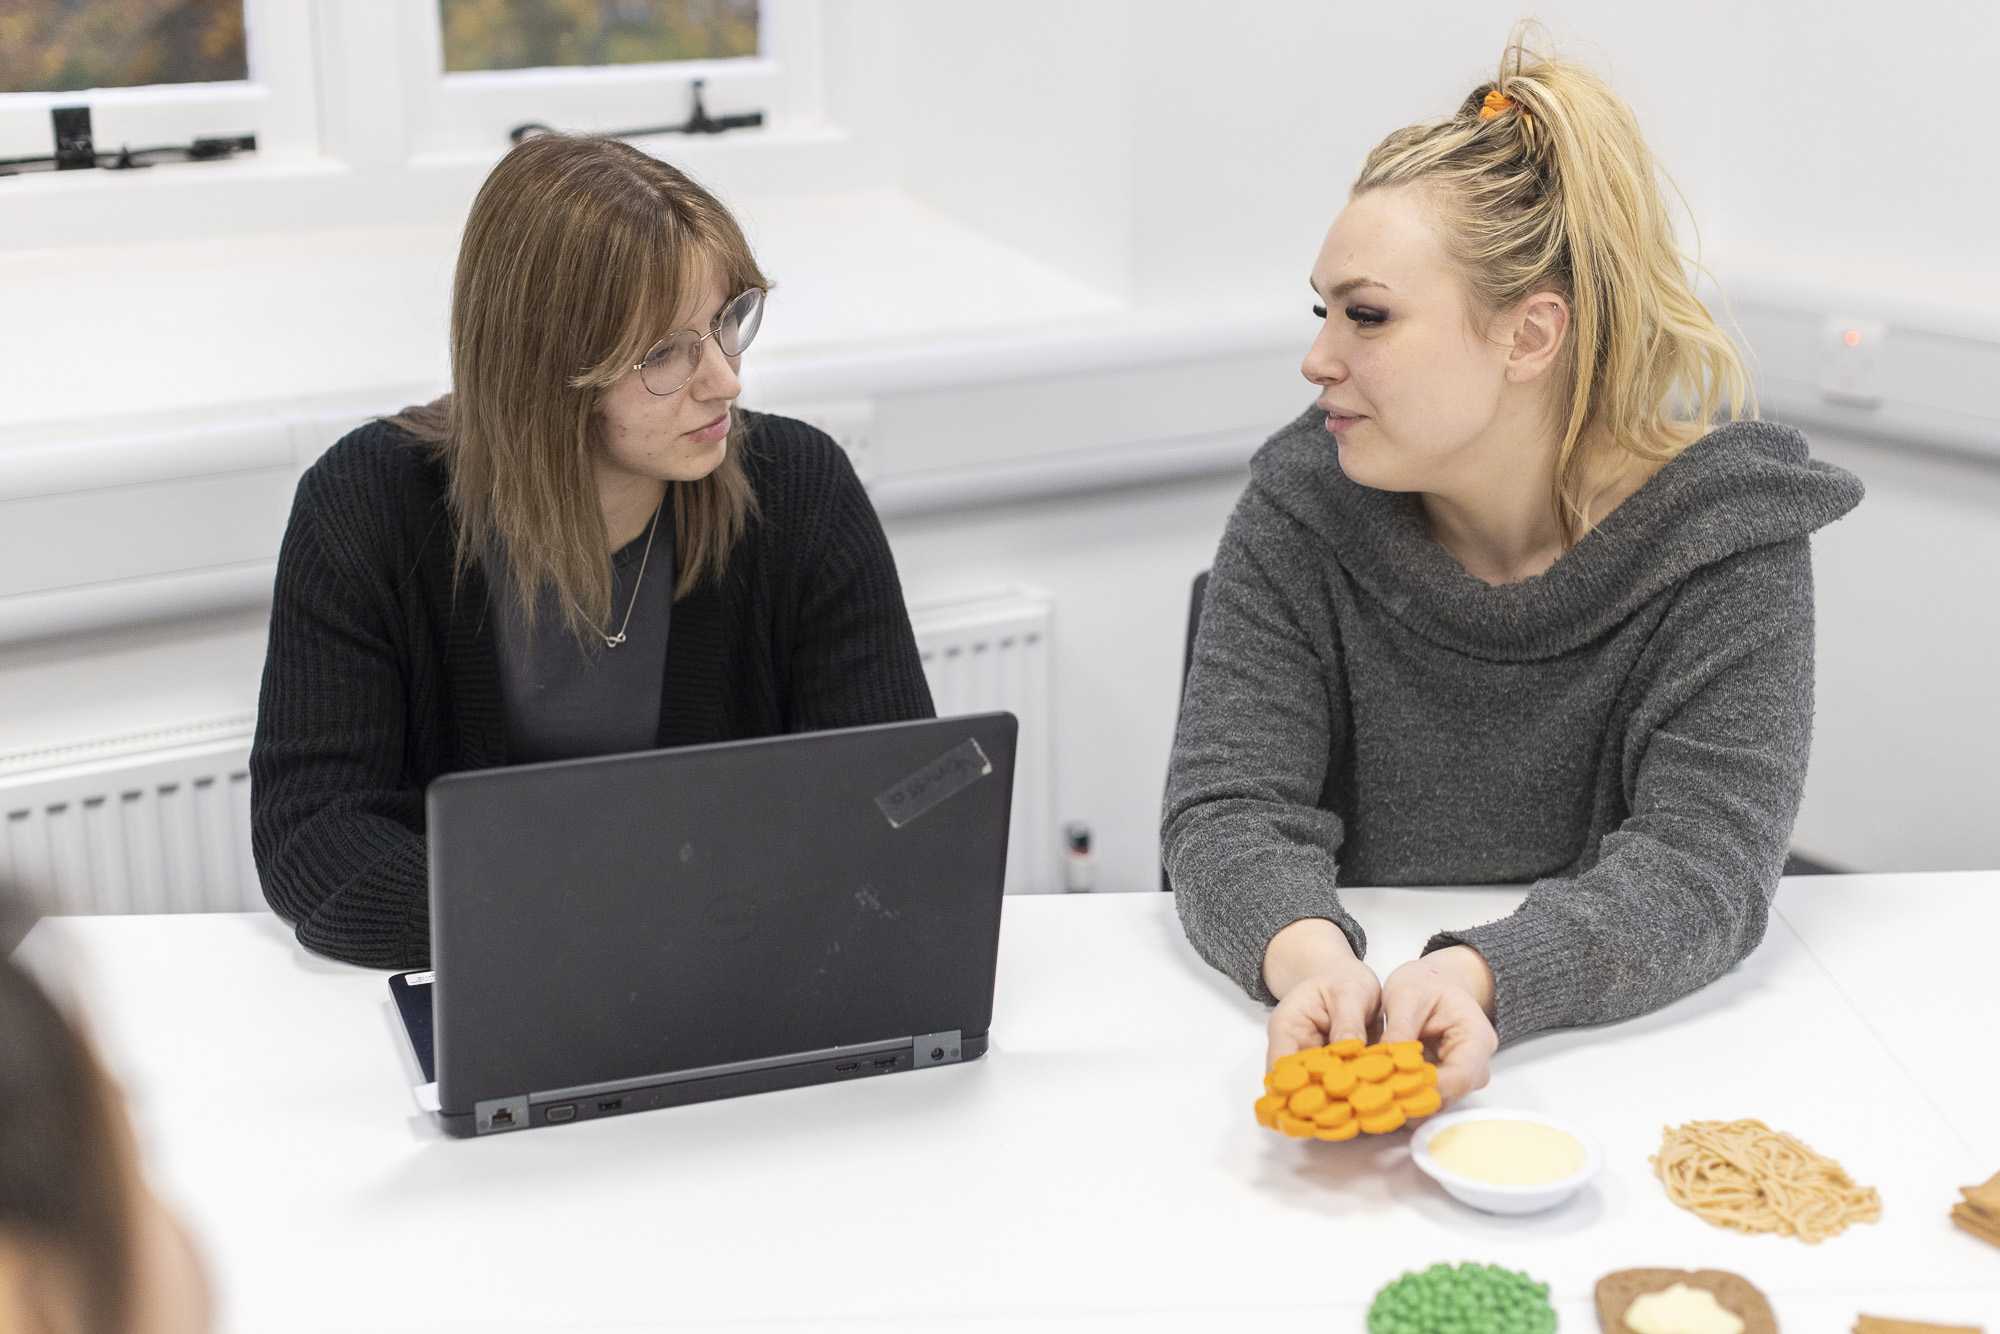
{"points": [[1079, 865]]}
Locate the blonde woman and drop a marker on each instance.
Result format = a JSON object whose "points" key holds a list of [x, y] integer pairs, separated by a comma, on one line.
{"points": [[1524, 597], [585, 549]]}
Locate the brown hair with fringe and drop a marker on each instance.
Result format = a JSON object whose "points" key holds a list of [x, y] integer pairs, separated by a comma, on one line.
{"points": [[578, 255], [1541, 181]]}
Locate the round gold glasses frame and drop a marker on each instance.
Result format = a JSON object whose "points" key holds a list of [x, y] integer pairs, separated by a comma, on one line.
{"points": [[673, 360]]}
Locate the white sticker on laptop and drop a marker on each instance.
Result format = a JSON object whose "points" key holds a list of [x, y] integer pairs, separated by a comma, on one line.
{"points": [[419, 979], [959, 767]]}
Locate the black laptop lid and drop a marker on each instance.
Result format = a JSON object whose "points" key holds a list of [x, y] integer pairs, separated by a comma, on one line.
{"points": [[612, 918]]}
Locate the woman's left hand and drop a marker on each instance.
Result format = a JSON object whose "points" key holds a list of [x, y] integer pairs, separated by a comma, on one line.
{"points": [[1445, 1000]]}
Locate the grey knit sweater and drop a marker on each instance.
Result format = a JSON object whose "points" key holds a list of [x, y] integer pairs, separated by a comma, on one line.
{"points": [[1628, 731]]}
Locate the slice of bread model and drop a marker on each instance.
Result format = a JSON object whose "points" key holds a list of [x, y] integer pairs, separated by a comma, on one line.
{"points": [[1733, 1293]]}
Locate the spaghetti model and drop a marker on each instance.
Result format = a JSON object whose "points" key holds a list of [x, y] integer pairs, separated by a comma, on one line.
{"points": [[1748, 1177]]}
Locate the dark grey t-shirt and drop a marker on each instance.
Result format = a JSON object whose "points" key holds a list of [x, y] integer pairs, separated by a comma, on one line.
{"points": [[563, 700]]}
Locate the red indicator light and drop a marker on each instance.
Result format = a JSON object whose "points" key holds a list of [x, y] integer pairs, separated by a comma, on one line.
{"points": [[1852, 338]]}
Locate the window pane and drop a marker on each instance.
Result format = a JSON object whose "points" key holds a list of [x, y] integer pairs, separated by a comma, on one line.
{"points": [[59, 45], [517, 34]]}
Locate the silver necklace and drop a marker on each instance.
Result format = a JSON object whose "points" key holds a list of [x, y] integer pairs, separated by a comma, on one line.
{"points": [[613, 641]]}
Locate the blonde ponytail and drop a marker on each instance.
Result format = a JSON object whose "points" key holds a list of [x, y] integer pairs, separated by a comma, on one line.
{"points": [[1549, 186]]}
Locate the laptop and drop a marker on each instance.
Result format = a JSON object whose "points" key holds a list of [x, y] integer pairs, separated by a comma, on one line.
{"points": [[629, 932]]}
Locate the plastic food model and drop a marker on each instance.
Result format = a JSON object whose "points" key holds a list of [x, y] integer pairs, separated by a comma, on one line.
{"points": [[1348, 1088], [1466, 1299], [1737, 1305]]}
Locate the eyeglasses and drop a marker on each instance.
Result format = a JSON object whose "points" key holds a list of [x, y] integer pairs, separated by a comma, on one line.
{"points": [[675, 358]]}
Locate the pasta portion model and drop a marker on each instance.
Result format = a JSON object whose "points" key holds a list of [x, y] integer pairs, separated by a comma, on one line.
{"points": [[1470, 1298], [1746, 1176], [1346, 1088], [1677, 1301]]}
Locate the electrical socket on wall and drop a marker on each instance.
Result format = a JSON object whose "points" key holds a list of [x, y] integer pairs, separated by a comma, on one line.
{"points": [[851, 423], [1850, 366]]}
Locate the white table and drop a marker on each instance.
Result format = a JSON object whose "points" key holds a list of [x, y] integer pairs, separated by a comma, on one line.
{"points": [[1099, 1170]]}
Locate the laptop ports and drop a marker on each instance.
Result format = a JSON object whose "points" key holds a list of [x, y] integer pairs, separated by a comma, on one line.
{"points": [[502, 1118], [886, 1063], [847, 1069], [611, 1105], [563, 1112]]}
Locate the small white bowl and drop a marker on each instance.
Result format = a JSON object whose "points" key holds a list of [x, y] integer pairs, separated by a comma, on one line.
{"points": [[1498, 1199]]}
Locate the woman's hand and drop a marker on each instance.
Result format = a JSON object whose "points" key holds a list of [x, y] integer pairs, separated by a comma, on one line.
{"points": [[1324, 993], [1445, 999]]}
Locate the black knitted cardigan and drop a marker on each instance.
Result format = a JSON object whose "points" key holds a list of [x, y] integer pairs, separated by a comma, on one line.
{"points": [[383, 672]]}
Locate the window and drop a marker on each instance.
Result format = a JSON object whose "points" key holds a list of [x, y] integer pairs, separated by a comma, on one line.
{"points": [[475, 69], [60, 47], [523, 34], [385, 85], [158, 72]]}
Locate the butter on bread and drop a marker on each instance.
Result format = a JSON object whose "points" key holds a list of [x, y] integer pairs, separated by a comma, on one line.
{"points": [[1616, 1292]]}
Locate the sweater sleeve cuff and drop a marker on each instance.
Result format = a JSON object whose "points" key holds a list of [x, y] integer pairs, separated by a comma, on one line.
{"points": [[1535, 979], [1236, 947]]}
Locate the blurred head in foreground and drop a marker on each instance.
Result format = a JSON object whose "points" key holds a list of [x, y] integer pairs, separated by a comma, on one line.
{"points": [[85, 1246]]}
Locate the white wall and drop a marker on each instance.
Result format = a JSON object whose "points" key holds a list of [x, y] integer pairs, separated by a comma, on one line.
{"points": [[1860, 141], [1191, 149], [62, 690], [1906, 740], [1025, 134]]}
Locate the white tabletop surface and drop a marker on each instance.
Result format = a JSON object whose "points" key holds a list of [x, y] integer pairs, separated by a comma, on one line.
{"points": [[1919, 958], [1100, 1169]]}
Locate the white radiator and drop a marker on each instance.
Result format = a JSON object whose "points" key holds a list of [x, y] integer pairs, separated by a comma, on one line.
{"points": [[154, 821], [159, 821], [993, 651]]}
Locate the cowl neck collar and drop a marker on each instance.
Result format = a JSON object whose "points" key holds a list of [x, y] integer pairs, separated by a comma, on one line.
{"points": [[1741, 486]]}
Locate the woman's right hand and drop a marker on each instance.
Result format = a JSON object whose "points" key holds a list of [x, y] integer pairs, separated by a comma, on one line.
{"points": [[1324, 993]]}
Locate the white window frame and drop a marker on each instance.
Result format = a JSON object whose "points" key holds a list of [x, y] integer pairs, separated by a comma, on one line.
{"points": [[449, 114], [279, 102]]}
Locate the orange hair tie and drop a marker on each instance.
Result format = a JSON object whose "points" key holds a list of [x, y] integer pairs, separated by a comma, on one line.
{"points": [[1496, 102]]}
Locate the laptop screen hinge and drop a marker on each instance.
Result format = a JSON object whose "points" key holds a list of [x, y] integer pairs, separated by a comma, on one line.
{"points": [[935, 1048]]}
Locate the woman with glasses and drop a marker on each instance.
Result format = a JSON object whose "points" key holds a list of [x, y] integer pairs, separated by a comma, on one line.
{"points": [[586, 548]]}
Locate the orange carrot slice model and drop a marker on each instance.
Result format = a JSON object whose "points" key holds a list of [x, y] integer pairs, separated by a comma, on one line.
{"points": [[1348, 1088]]}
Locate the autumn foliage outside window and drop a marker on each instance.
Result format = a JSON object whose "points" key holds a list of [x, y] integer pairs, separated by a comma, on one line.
{"points": [[522, 34], [62, 45]]}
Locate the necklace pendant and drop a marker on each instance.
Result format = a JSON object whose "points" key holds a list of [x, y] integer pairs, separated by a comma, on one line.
{"points": [[613, 641]]}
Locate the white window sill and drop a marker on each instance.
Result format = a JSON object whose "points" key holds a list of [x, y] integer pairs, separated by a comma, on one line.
{"points": [[268, 195], [876, 293], [16, 191]]}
